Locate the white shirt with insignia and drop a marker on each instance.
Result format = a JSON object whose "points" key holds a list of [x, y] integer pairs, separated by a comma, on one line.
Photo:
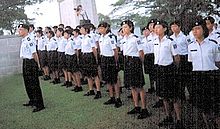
{"points": [[78, 41], [52, 44], [87, 43], [215, 35], [41, 41], [71, 47], [149, 45], [61, 44], [203, 56], [107, 45], [182, 43], [28, 47], [131, 45], [164, 51]]}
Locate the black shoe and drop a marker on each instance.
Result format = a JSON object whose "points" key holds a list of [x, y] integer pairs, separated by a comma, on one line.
{"points": [[78, 89], [130, 96], [89, 93], [135, 110], [58, 81], [98, 95], [110, 101], [151, 90], [65, 83], [118, 103], [74, 89], [52, 81], [166, 121], [158, 104], [27, 104], [37, 109], [144, 114], [179, 125], [69, 84]]}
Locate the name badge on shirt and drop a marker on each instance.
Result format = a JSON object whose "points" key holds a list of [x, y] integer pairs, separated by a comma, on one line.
{"points": [[31, 44], [174, 46], [193, 50], [112, 42], [139, 42], [156, 44]]}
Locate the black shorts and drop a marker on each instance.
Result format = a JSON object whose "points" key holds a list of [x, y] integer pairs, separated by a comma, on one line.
{"points": [[166, 82], [205, 90], [89, 65], [133, 72], [53, 60], [61, 61], [43, 58], [109, 70], [71, 63]]}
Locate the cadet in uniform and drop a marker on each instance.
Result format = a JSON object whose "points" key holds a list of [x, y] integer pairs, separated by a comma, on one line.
{"points": [[133, 72], [90, 61], [109, 59], [41, 41], [204, 53], [166, 59], [213, 33], [30, 69]]}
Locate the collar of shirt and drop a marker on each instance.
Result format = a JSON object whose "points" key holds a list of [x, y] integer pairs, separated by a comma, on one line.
{"points": [[204, 41]]}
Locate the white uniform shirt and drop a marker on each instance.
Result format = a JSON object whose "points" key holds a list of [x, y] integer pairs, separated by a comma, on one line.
{"points": [[182, 43], [164, 51], [71, 47], [131, 45], [107, 45], [28, 47], [51, 44], [215, 35], [41, 41], [61, 44], [204, 56], [87, 43], [78, 42], [149, 46]]}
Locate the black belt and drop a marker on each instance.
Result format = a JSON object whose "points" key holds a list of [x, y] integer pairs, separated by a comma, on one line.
{"points": [[131, 57], [106, 56], [25, 59], [87, 53]]}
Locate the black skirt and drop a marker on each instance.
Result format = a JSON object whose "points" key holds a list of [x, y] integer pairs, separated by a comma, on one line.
{"points": [[120, 61], [53, 60], [166, 82], [205, 91], [43, 58], [133, 72], [61, 61], [89, 65], [71, 63], [109, 70]]}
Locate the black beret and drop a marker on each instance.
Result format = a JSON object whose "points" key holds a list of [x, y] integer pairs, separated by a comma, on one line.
{"points": [[128, 22], [25, 26], [211, 19], [103, 24], [198, 22], [153, 21], [144, 28], [162, 22]]}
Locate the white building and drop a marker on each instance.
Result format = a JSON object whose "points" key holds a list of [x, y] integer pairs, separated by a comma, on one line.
{"points": [[68, 15]]}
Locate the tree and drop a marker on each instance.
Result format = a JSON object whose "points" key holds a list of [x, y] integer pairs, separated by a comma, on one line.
{"points": [[12, 13]]}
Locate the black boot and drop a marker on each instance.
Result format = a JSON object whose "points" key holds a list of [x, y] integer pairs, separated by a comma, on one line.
{"points": [[78, 89], [89, 93], [158, 104], [135, 110], [118, 103], [144, 114], [69, 84], [98, 95], [110, 101], [65, 83]]}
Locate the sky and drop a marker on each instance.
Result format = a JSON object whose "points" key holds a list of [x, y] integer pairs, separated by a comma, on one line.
{"points": [[52, 11]]}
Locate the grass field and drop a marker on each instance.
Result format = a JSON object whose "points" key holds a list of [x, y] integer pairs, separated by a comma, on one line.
{"points": [[68, 110]]}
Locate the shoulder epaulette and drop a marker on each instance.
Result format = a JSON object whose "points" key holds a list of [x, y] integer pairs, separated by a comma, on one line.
{"points": [[110, 36], [28, 39], [168, 37], [213, 41], [136, 36], [89, 36], [54, 39]]}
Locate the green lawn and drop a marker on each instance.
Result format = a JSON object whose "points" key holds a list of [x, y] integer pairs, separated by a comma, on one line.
{"points": [[64, 109]]}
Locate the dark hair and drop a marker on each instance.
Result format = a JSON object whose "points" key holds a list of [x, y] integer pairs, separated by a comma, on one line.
{"points": [[77, 31], [105, 25], [52, 33], [48, 28], [25, 26], [151, 21], [68, 32], [61, 25], [144, 28], [40, 32], [164, 24], [130, 24], [176, 22], [61, 30], [86, 27], [39, 28], [211, 19], [32, 26], [55, 27]]}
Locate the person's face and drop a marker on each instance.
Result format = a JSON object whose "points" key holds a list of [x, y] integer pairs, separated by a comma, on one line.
{"points": [[197, 32], [49, 35], [83, 31], [209, 25], [159, 30], [151, 27], [58, 33], [126, 29], [175, 28], [75, 33], [38, 34], [66, 35], [22, 31], [146, 32], [30, 29], [102, 30]]}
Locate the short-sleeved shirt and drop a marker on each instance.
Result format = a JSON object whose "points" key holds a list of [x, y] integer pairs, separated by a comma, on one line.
{"points": [[87, 43], [131, 45], [41, 41], [61, 44], [203, 56], [51, 44], [78, 42], [164, 51], [107, 45], [28, 47], [182, 43], [149, 43], [71, 47], [215, 35]]}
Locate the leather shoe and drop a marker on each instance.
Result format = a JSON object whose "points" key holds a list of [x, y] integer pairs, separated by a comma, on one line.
{"points": [[37, 109], [27, 104]]}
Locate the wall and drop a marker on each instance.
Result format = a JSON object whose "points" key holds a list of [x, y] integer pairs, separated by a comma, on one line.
{"points": [[10, 62]]}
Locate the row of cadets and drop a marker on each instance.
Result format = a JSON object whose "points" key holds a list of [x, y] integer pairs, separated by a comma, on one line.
{"points": [[90, 61], [109, 63], [133, 71]]}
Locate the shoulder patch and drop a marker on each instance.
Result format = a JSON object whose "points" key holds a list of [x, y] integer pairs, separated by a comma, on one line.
{"points": [[28, 39], [110, 36], [89, 36], [139, 42], [54, 39], [31, 44], [136, 36], [112, 42], [213, 41], [174, 46], [170, 38]]}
